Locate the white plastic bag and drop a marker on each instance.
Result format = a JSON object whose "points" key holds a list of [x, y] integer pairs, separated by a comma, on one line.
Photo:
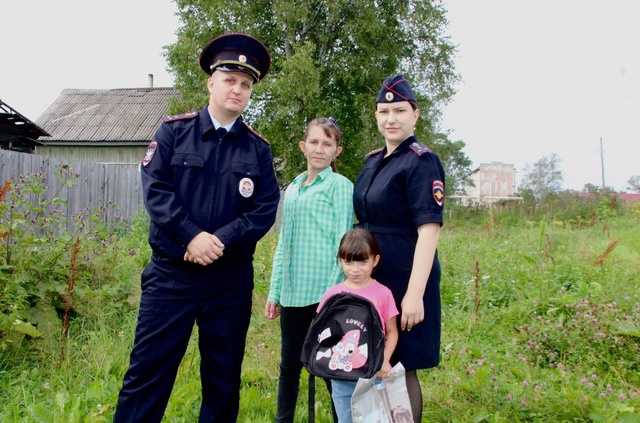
{"points": [[382, 400]]}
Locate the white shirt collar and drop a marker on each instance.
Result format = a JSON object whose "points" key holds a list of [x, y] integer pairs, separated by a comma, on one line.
{"points": [[217, 124]]}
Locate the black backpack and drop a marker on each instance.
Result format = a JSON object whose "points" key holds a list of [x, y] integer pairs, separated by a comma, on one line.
{"points": [[345, 340]]}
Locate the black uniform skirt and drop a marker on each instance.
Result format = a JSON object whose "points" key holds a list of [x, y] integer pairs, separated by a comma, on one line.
{"points": [[420, 347]]}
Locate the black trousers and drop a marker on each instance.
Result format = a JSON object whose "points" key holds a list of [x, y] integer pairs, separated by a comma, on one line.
{"points": [[294, 324], [174, 298]]}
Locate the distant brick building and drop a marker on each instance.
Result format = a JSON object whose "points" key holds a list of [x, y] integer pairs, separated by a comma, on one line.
{"points": [[493, 182]]}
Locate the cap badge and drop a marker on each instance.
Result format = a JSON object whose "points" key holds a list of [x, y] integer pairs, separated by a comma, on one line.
{"points": [[242, 58], [389, 96], [246, 187]]}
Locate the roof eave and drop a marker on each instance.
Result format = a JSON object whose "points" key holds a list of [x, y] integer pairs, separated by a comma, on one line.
{"points": [[68, 143]]}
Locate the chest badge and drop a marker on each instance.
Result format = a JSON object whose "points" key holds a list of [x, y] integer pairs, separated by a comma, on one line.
{"points": [[246, 187]]}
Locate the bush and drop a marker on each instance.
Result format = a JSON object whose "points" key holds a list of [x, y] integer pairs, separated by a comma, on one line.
{"points": [[47, 269]]}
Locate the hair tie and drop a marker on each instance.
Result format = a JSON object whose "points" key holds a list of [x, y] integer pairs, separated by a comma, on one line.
{"points": [[334, 121]]}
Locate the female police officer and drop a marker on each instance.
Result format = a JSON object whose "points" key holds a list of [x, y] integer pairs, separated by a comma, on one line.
{"points": [[399, 196], [211, 193]]}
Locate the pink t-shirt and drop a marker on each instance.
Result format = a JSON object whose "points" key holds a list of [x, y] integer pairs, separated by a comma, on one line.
{"points": [[378, 294]]}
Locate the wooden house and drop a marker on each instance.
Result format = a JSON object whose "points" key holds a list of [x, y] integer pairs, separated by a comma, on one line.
{"points": [[17, 133], [112, 126]]}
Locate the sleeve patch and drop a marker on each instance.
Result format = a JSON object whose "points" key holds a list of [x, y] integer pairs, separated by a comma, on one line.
{"points": [[151, 151], [437, 189]]}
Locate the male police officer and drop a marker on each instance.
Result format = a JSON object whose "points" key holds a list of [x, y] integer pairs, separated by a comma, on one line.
{"points": [[211, 193]]}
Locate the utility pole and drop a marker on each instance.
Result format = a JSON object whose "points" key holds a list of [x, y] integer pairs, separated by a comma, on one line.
{"points": [[602, 161]]}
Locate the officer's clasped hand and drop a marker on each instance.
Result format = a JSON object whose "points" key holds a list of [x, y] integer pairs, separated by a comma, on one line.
{"points": [[204, 249]]}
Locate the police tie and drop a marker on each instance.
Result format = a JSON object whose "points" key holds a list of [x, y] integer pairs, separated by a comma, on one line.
{"points": [[221, 132]]}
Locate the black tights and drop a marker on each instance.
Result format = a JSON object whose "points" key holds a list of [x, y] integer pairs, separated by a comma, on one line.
{"points": [[415, 394], [294, 324]]}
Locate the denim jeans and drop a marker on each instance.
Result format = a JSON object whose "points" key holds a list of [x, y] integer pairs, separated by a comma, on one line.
{"points": [[341, 393]]}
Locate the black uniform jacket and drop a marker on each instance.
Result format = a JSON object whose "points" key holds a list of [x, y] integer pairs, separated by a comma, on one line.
{"points": [[194, 181], [392, 197]]}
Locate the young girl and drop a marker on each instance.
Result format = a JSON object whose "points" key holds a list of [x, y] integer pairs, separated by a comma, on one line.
{"points": [[359, 253], [317, 211]]}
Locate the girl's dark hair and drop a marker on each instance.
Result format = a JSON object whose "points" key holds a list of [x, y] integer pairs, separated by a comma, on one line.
{"points": [[358, 245]]}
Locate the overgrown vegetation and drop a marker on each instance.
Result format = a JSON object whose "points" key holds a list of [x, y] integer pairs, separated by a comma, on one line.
{"points": [[541, 315]]}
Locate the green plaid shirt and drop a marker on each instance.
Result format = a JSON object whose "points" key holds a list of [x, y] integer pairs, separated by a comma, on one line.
{"points": [[314, 218]]}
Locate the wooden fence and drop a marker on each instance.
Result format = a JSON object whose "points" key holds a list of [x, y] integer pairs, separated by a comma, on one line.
{"points": [[113, 188]]}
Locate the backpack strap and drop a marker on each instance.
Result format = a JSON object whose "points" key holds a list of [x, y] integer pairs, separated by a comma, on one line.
{"points": [[312, 398]]}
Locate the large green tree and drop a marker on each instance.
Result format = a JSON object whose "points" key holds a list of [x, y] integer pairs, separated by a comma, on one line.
{"points": [[329, 58]]}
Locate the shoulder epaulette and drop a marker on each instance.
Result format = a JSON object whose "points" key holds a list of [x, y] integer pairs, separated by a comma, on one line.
{"points": [[183, 116], [373, 153], [419, 148], [254, 132]]}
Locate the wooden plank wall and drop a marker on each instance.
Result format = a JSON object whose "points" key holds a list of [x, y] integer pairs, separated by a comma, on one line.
{"points": [[113, 188]]}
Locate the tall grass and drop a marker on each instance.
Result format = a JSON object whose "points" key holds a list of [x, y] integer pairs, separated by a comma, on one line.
{"points": [[556, 337], [541, 322]]}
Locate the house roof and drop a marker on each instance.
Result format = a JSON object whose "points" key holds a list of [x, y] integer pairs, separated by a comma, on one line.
{"points": [[627, 197], [122, 116], [17, 130]]}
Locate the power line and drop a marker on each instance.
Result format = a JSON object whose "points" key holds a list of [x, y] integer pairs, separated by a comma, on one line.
{"points": [[557, 109], [537, 131]]}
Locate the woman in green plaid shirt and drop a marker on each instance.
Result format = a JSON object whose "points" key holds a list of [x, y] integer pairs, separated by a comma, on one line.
{"points": [[317, 211]]}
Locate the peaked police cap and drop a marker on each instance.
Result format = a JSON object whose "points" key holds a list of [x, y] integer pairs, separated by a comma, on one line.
{"points": [[236, 53]]}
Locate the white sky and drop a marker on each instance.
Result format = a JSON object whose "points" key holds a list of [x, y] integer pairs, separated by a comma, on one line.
{"points": [[549, 76], [538, 76], [52, 45]]}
